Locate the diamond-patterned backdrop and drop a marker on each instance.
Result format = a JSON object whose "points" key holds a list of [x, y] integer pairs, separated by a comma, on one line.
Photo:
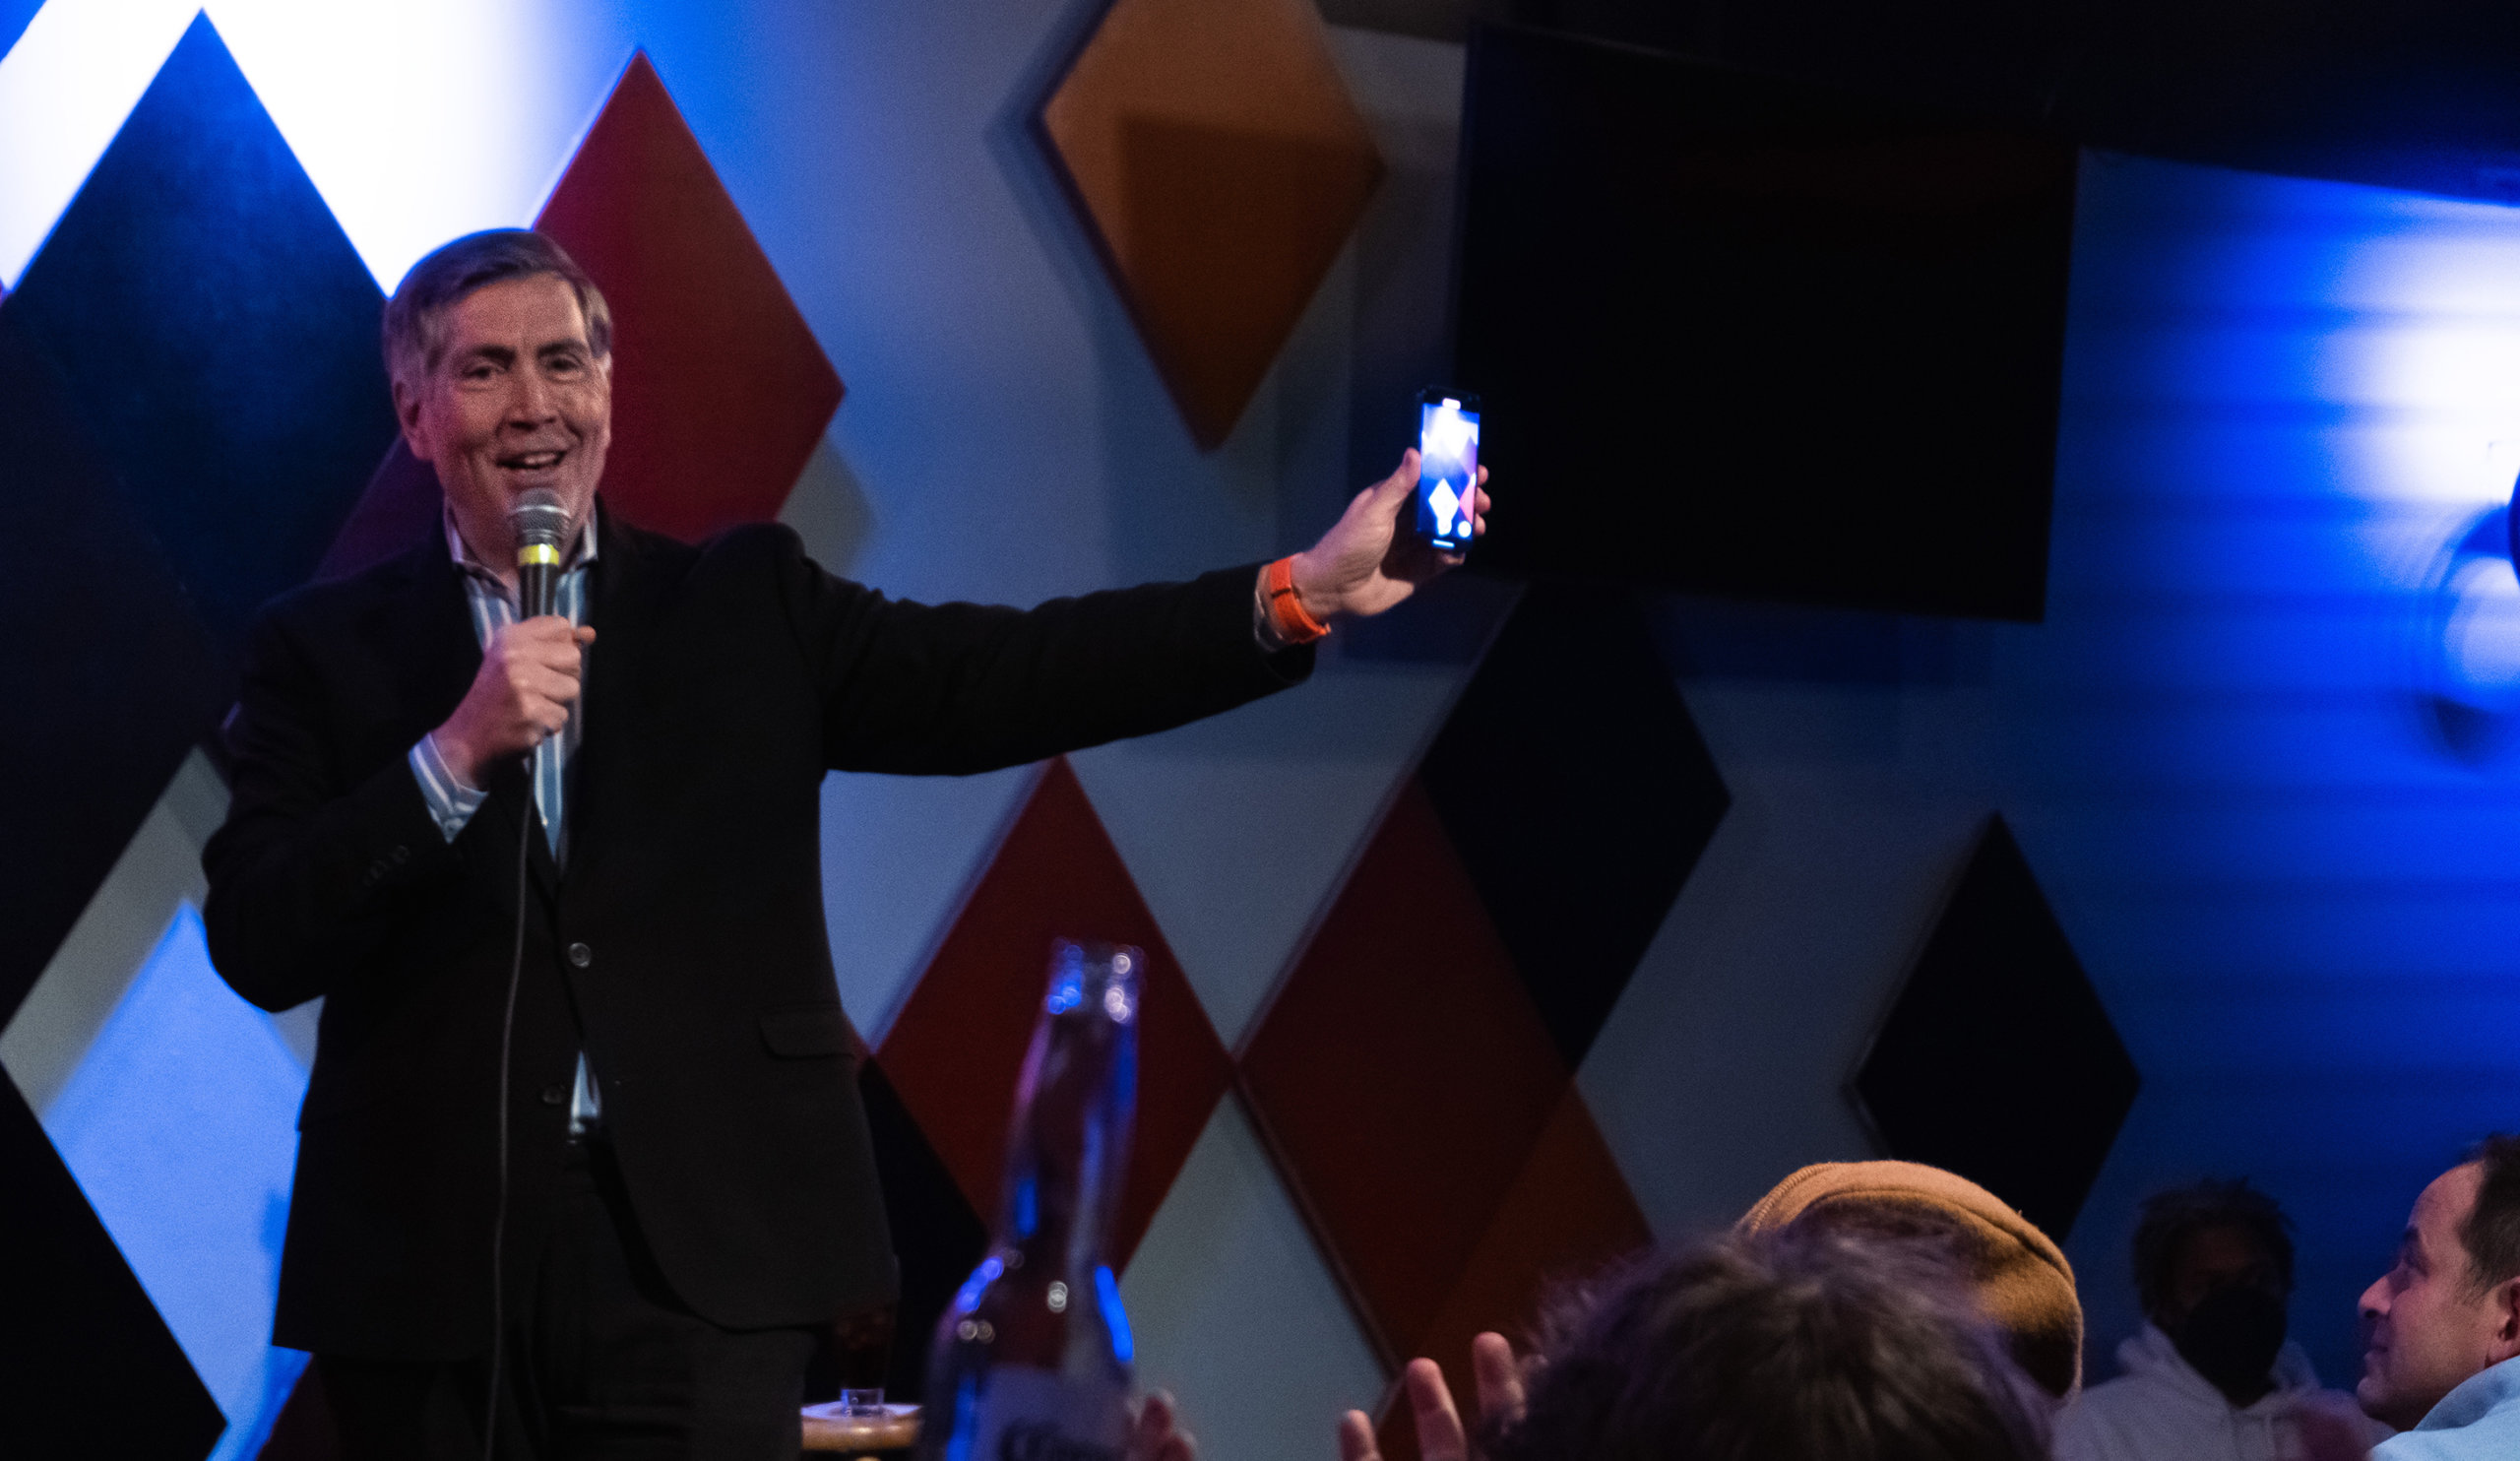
{"points": [[175, 204], [726, 396], [1546, 921]]}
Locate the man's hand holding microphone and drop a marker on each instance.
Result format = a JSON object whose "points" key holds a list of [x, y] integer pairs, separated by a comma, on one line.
{"points": [[532, 670]]}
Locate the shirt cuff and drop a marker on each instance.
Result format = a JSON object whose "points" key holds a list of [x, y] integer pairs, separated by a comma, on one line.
{"points": [[1264, 626], [451, 803], [1279, 621]]}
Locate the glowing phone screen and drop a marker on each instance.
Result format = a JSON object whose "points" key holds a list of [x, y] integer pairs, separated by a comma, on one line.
{"points": [[1447, 464]]}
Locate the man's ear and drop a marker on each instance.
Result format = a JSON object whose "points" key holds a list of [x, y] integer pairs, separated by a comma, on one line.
{"points": [[2505, 1306], [406, 416]]}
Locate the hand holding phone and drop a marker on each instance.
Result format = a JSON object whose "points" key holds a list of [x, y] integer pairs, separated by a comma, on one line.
{"points": [[1447, 466], [1406, 528]]}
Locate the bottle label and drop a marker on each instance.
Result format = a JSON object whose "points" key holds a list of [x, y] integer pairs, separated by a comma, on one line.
{"points": [[1039, 1415]]}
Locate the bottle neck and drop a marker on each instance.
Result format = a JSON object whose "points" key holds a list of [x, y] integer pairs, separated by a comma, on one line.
{"points": [[1069, 1150]]}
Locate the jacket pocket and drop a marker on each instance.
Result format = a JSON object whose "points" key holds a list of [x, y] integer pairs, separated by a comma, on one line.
{"points": [[813, 1030]]}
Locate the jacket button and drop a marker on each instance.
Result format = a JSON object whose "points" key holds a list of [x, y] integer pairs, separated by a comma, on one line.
{"points": [[580, 955], [553, 1095]]}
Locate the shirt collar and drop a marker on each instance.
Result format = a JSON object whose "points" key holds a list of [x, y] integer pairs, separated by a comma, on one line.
{"points": [[580, 552], [2478, 1395]]}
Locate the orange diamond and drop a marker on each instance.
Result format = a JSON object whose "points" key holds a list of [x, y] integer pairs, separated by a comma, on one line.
{"points": [[1220, 164]]}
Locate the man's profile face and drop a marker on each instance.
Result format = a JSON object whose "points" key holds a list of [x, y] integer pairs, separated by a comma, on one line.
{"points": [[2426, 1329], [517, 400]]}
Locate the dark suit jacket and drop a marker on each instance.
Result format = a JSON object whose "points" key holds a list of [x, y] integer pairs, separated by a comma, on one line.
{"points": [[685, 940]]}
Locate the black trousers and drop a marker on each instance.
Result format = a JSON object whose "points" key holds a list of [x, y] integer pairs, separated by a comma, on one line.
{"points": [[602, 1362]]}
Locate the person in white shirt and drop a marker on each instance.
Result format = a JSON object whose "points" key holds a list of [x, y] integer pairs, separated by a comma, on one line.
{"points": [[2211, 1376]]}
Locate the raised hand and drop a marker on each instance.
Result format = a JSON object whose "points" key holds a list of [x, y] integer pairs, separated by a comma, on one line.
{"points": [[1368, 562], [1440, 1435], [1158, 1434]]}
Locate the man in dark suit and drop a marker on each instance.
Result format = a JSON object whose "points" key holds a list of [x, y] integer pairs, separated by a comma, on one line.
{"points": [[580, 1022]]}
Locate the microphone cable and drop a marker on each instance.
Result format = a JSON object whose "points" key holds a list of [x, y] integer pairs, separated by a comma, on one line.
{"points": [[537, 521], [507, 1042]]}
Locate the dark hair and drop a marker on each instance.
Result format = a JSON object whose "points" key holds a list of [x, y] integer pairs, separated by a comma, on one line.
{"points": [[2170, 1217], [413, 333], [2492, 1233], [1822, 1346]]}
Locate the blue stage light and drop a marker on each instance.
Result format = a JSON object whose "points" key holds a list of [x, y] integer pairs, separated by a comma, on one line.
{"points": [[181, 1126]]}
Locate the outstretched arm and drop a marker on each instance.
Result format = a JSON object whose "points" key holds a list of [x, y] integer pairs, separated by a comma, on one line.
{"points": [[958, 687]]}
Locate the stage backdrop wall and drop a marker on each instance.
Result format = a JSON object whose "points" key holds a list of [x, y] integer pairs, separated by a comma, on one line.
{"points": [[2255, 758]]}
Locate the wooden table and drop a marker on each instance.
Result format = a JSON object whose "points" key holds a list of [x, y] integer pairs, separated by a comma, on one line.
{"points": [[892, 1432]]}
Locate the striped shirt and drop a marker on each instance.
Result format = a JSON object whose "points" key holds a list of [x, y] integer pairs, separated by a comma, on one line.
{"points": [[451, 804]]}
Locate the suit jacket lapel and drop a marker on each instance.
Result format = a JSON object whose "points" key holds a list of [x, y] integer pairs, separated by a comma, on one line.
{"points": [[620, 603], [443, 648]]}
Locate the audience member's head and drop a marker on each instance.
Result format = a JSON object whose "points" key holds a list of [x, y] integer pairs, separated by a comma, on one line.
{"points": [[2451, 1307], [1803, 1343], [2214, 1269], [2020, 1280]]}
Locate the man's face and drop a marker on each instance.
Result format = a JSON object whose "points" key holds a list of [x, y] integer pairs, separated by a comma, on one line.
{"points": [[518, 400], [2216, 1257], [2424, 1327]]}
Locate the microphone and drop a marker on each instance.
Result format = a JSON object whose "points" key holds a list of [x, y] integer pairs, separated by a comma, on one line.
{"points": [[537, 521]]}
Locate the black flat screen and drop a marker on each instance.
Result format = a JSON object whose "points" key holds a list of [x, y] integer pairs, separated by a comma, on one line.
{"points": [[1743, 335]]}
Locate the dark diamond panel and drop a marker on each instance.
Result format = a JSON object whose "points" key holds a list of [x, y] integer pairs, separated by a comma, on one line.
{"points": [[1998, 1061], [108, 677], [399, 509], [1579, 795], [217, 335], [936, 1236], [87, 1368], [304, 1430]]}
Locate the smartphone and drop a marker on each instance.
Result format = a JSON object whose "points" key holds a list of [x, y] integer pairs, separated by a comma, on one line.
{"points": [[1447, 466]]}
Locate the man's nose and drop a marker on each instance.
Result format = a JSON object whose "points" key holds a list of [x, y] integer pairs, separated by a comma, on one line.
{"points": [[529, 401], [2374, 1302]]}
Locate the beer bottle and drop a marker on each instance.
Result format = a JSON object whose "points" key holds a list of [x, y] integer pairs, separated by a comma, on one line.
{"points": [[1032, 1360]]}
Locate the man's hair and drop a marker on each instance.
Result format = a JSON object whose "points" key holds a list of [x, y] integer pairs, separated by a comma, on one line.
{"points": [[2492, 1233], [415, 317], [2170, 1217], [1820, 1345]]}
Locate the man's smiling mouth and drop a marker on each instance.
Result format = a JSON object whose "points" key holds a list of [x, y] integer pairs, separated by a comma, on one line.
{"points": [[533, 461]]}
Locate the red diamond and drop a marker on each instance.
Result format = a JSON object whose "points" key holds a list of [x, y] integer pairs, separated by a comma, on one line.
{"points": [[1570, 1214], [1403, 1077], [958, 1044], [718, 388]]}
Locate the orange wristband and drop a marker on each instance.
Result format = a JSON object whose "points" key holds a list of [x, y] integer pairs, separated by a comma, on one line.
{"points": [[1286, 614]]}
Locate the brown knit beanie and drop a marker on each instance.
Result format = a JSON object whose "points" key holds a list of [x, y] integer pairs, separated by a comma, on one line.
{"points": [[2023, 1283]]}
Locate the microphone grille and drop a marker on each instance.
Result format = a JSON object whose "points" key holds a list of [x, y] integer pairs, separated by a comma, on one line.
{"points": [[537, 515]]}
